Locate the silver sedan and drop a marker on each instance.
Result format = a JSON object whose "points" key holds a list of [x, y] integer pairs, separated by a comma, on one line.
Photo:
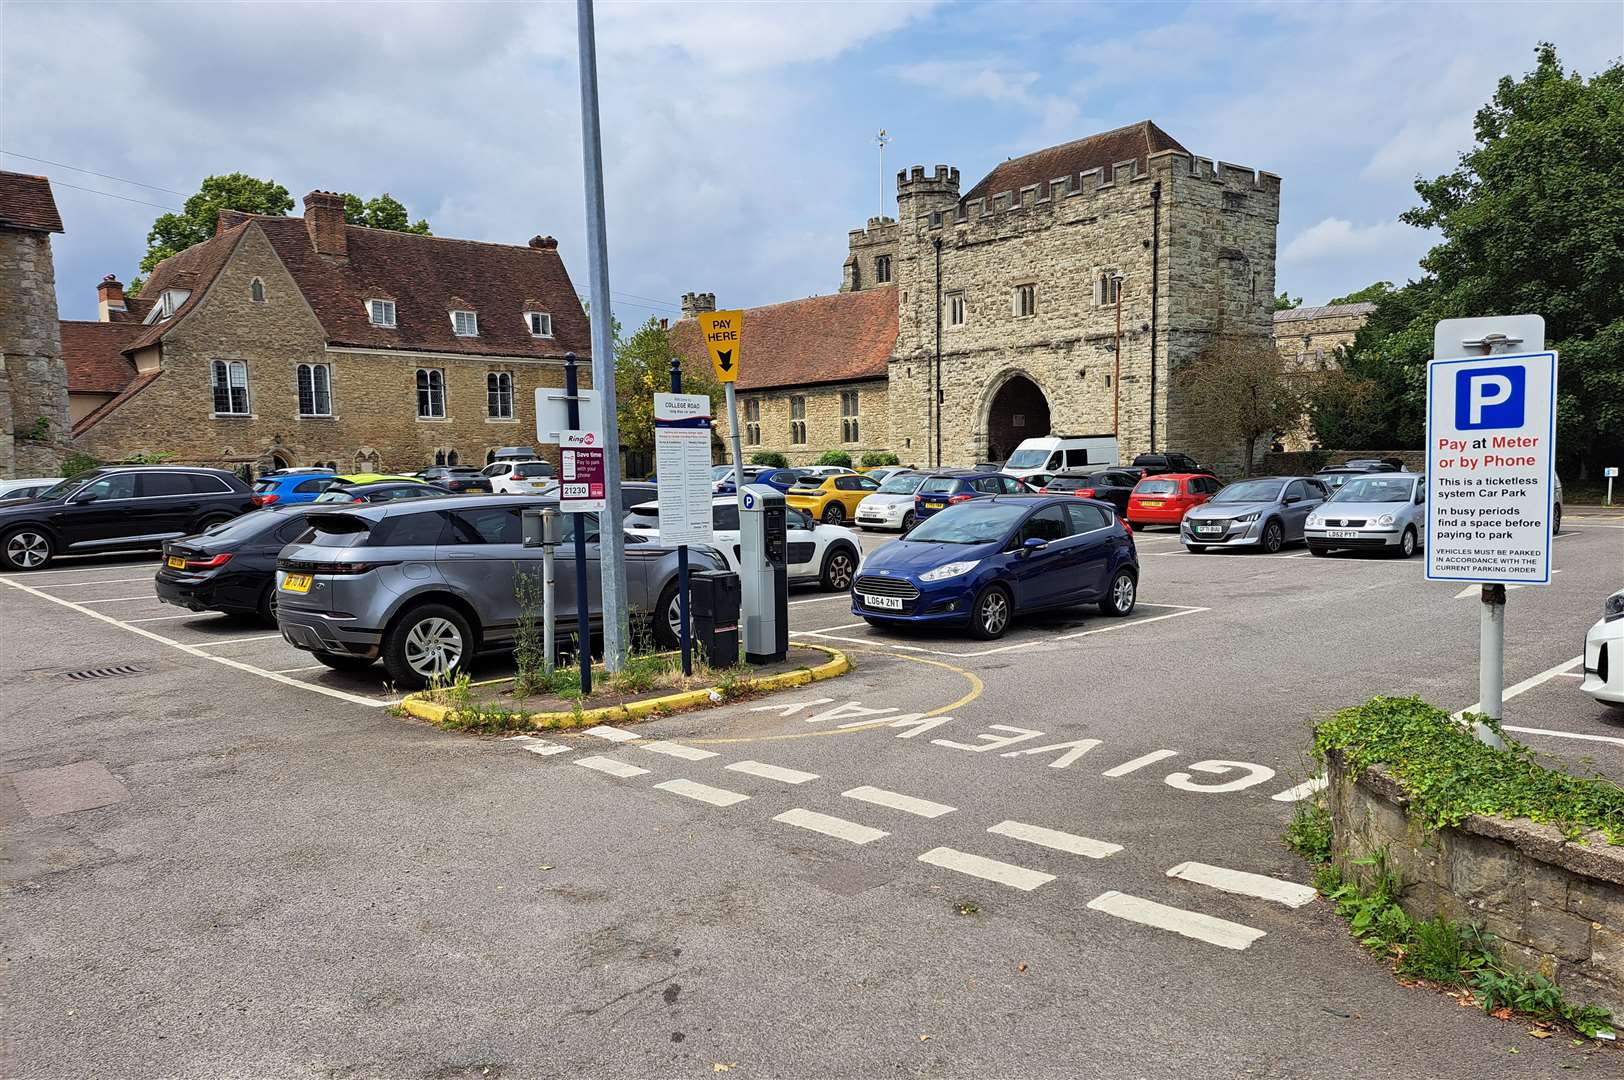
{"points": [[1381, 511]]}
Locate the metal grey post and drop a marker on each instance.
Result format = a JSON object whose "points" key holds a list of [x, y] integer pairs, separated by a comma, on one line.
{"points": [[1491, 668], [549, 581], [749, 594], [611, 541]]}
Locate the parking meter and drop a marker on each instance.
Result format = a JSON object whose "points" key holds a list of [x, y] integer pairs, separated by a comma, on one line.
{"points": [[541, 528], [763, 574]]}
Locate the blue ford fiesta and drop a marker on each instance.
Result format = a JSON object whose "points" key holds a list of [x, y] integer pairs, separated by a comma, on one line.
{"points": [[980, 563]]}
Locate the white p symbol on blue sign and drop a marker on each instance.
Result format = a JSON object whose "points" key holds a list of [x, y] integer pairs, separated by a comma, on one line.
{"points": [[1489, 397]]}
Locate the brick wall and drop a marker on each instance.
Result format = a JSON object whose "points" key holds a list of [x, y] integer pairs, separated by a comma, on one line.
{"points": [[824, 430], [33, 380]]}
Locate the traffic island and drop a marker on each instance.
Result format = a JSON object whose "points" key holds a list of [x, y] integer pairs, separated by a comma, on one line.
{"points": [[648, 686]]}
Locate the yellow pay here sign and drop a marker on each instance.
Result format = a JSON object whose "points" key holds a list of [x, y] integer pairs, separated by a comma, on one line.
{"points": [[724, 333]]}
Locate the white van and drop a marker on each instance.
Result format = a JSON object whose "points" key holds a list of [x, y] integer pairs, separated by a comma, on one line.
{"points": [[1035, 460]]}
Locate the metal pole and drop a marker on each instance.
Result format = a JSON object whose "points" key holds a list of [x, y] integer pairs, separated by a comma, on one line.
{"points": [[583, 602], [1155, 260], [549, 585], [1491, 659], [936, 377], [684, 634], [1116, 379], [611, 541], [1609, 491]]}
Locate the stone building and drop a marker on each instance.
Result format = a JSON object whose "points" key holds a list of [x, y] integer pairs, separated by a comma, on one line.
{"points": [[1310, 340], [297, 341], [33, 382], [1062, 293]]}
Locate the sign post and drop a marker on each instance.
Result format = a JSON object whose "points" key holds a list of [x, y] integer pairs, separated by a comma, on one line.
{"points": [[1611, 472], [1491, 433], [576, 473], [682, 435]]}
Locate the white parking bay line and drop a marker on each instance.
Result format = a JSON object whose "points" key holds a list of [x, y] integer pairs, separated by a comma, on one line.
{"points": [[831, 629], [1565, 734], [1526, 685], [291, 670], [1288, 893], [167, 618], [1054, 838], [702, 792], [621, 769], [771, 772], [93, 569], [1190, 924], [238, 640], [839, 828], [1302, 790], [896, 801], [677, 750], [120, 599], [613, 734], [1016, 877], [100, 581]]}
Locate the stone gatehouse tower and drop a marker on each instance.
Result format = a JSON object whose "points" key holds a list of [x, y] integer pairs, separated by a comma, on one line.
{"points": [[33, 380]]}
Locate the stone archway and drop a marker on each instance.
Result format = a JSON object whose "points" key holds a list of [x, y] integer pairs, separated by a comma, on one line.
{"points": [[1016, 410]]}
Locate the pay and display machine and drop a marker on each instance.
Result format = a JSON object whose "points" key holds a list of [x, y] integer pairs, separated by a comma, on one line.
{"points": [[763, 574]]}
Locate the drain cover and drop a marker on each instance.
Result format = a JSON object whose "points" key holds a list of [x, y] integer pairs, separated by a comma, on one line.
{"points": [[105, 672]]}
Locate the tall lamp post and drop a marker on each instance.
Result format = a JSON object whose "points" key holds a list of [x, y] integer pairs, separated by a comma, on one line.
{"points": [[1116, 377]]}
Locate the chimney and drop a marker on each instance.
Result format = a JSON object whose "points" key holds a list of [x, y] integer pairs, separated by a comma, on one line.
{"points": [[324, 219], [110, 297], [545, 243], [695, 302]]}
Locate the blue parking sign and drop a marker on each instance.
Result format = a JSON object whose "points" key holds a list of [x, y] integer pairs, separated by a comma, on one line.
{"points": [[1490, 398]]}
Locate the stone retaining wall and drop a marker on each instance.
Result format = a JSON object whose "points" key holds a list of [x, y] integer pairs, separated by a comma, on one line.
{"points": [[1555, 906]]}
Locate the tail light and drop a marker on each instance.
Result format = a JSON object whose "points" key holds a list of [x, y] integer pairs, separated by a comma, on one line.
{"points": [[338, 568], [1086, 493], [1125, 526], [959, 498], [209, 564], [266, 499], [517, 476]]}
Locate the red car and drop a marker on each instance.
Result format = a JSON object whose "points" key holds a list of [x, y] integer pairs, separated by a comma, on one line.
{"points": [[1164, 499]]}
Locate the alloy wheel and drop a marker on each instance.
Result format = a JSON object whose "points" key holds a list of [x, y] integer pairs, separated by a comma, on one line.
{"points": [[1274, 537], [834, 513], [673, 616], [1122, 593], [909, 520], [840, 571], [26, 550], [433, 648], [994, 613]]}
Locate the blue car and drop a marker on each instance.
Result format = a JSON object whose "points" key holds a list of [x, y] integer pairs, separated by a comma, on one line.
{"points": [[982, 562], [287, 488], [953, 486]]}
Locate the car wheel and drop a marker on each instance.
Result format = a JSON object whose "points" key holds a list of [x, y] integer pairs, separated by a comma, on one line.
{"points": [[1556, 520], [909, 520], [1318, 552], [428, 642], [1119, 599], [344, 662], [26, 549], [1406, 544], [1274, 537], [1194, 549], [834, 514], [668, 623], [839, 567], [267, 604], [989, 618], [211, 521]]}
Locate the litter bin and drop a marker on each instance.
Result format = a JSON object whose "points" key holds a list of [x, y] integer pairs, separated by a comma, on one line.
{"points": [[713, 609]]}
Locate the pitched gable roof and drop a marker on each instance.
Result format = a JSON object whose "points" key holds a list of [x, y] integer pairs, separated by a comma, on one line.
{"points": [[1324, 311], [193, 270], [842, 337], [26, 202], [94, 355], [1136, 142]]}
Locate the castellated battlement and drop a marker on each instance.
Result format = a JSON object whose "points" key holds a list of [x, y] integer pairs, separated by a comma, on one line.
{"points": [[879, 230], [913, 181]]}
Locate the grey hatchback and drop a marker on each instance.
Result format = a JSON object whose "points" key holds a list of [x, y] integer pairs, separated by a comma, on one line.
{"points": [[425, 585]]}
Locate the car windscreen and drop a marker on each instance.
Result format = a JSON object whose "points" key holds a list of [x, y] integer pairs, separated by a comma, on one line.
{"points": [[336, 495], [1027, 459], [1375, 489], [938, 485], [1155, 487], [1069, 483], [262, 486], [904, 484], [1249, 491], [61, 488], [976, 522], [336, 531]]}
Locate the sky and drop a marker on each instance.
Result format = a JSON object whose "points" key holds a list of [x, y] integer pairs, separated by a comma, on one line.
{"points": [[739, 138]]}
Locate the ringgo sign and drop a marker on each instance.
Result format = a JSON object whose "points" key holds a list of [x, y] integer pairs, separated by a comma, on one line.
{"points": [[1491, 430]]}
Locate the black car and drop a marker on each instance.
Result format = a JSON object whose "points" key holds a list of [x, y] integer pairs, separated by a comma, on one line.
{"points": [[460, 479], [1110, 485], [232, 567], [1334, 476], [379, 491], [119, 508], [1156, 464]]}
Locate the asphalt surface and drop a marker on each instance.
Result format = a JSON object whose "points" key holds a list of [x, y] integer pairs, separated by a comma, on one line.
{"points": [[251, 868]]}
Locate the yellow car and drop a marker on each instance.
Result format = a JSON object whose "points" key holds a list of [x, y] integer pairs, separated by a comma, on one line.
{"points": [[373, 478], [831, 499]]}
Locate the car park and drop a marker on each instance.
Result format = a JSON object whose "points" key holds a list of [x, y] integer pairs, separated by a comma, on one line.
{"points": [[1154, 464], [521, 478], [1383, 511], [231, 567], [1164, 498], [285, 487], [1111, 485], [979, 564], [458, 479], [1262, 512], [117, 508], [831, 499], [825, 470], [824, 555], [881, 473], [27, 488], [953, 486], [1604, 654], [722, 477], [892, 506], [424, 586], [1334, 476], [390, 490], [1037, 459]]}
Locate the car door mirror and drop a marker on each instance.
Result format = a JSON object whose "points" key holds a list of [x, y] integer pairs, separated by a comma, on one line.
{"points": [[85, 497], [1033, 544], [1289, 499]]}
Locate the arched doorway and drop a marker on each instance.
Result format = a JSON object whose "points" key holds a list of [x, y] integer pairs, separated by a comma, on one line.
{"points": [[1018, 410]]}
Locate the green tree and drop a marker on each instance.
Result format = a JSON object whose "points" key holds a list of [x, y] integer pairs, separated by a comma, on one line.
{"points": [[643, 369], [1238, 384], [1369, 294], [772, 459], [195, 223], [382, 212], [1285, 302], [835, 457]]}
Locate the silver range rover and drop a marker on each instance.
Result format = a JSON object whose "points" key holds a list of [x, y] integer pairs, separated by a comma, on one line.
{"points": [[1381, 511]]}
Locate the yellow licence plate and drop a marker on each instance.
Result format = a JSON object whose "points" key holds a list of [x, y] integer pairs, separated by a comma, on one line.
{"points": [[296, 583], [1151, 502], [176, 562], [935, 506]]}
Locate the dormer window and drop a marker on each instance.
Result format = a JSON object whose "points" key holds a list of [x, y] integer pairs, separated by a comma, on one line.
{"points": [[169, 302], [465, 324], [540, 323], [381, 312], [256, 291]]}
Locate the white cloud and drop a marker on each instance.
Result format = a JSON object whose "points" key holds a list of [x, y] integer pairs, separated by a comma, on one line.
{"points": [[1336, 238]]}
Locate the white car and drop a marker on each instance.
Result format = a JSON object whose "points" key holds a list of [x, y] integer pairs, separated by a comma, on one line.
{"points": [[827, 555], [823, 471], [22, 488], [891, 507], [1604, 654], [520, 477]]}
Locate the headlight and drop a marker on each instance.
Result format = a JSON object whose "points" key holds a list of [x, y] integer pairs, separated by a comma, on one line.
{"points": [[1247, 517], [1314, 521], [1613, 607], [947, 570], [1386, 519]]}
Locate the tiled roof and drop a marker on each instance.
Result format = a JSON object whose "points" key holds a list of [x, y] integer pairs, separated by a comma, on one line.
{"points": [[1324, 311], [193, 270], [26, 203], [94, 355], [140, 383], [1136, 142], [842, 337]]}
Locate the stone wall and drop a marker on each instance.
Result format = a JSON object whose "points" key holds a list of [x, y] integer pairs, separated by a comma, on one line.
{"points": [[33, 380], [1555, 906], [867, 245], [374, 395], [1303, 462], [824, 430]]}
